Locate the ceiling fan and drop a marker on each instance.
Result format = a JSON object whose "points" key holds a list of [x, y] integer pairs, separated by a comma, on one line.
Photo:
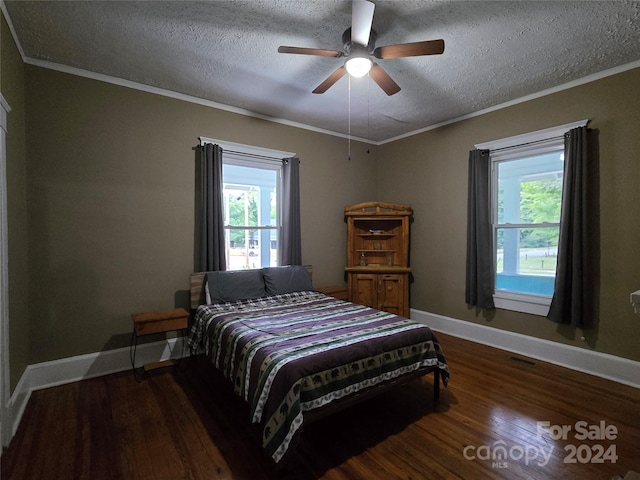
{"points": [[360, 44]]}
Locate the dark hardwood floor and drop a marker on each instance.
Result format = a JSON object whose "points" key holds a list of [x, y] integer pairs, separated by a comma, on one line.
{"points": [[185, 423]]}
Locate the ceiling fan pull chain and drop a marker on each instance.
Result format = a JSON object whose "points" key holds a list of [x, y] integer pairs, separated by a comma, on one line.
{"points": [[368, 107], [349, 123]]}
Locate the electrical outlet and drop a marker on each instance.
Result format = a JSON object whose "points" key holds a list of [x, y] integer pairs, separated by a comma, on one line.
{"points": [[635, 301]]}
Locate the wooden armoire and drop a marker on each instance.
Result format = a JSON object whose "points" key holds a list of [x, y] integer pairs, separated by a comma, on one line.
{"points": [[378, 255]]}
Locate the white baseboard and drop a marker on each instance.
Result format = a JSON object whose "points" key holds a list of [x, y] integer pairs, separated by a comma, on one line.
{"points": [[611, 367], [82, 367]]}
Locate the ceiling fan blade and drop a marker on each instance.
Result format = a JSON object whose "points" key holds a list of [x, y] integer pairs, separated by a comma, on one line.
{"points": [[361, 21], [385, 82], [429, 47], [310, 51], [331, 79]]}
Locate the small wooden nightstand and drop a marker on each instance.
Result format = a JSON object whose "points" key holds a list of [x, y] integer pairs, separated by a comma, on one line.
{"points": [[156, 322], [340, 293]]}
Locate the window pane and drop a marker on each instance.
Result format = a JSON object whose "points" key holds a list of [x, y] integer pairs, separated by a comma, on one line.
{"points": [[526, 259], [241, 205], [251, 248], [530, 189], [251, 215], [250, 195]]}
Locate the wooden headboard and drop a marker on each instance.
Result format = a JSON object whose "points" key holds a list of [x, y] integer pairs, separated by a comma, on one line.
{"points": [[198, 295]]}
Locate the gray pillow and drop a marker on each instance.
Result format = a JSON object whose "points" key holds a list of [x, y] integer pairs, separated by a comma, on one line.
{"points": [[231, 286], [286, 279]]}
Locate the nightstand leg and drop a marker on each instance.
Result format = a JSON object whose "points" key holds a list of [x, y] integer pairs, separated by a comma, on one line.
{"points": [[132, 354], [132, 349]]}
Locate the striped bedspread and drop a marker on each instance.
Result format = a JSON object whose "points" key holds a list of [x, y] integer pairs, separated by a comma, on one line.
{"points": [[292, 353]]}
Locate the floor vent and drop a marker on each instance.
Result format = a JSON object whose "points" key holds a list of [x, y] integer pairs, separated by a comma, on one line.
{"points": [[523, 361]]}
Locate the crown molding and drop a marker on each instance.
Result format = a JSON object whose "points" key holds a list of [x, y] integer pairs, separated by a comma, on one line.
{"points": [[565, 86]]}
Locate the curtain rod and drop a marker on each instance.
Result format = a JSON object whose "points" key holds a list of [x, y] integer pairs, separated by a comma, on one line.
{"points": [[253, 155], [247, 150], [531, 138], [544, 140]]}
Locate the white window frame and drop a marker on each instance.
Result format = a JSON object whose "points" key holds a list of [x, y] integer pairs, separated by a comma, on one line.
{"points": [[261, 164], [256, 157], [510, 148]]}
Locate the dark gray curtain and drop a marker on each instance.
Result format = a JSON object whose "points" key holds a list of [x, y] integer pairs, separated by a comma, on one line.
{"points": [[290, 244], [210, 247], [573, 295], [479, 286]]}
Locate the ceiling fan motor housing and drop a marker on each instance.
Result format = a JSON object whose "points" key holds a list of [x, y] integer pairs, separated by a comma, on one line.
{"points": [[349, 45]]}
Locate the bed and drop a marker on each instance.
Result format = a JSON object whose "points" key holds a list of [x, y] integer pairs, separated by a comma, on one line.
{"points": [[295, 354]]}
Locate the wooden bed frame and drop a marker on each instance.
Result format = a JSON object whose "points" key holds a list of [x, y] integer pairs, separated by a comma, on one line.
{"points": [[198, 297]]}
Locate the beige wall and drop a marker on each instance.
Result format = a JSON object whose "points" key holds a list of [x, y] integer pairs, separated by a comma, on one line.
{"points": [[111, 203], [430, 171], [12, 88], [109, 185]]}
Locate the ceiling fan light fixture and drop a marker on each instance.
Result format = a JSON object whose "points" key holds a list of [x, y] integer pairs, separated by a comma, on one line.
{"points": [[358, 66]]}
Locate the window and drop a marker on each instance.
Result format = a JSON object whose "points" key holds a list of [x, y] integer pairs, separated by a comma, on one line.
{"points": [[252, 183], [526, 198], [251, 216]]}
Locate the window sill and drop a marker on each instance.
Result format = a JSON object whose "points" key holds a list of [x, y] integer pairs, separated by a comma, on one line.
{"points": [[520, 302]]}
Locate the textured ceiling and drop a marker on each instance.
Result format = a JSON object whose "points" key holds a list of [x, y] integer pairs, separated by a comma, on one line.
{"points": [[226, 52]]}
